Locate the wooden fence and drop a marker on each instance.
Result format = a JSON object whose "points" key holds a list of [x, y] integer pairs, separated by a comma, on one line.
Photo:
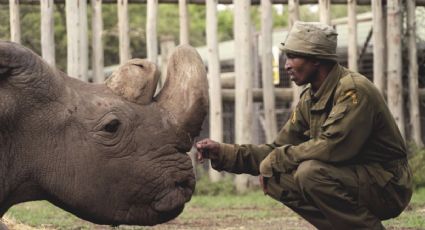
{"points": [[387, 51]]}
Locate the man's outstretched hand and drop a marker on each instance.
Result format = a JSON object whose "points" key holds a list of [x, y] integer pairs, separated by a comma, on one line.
{"points": [[207, 149]]}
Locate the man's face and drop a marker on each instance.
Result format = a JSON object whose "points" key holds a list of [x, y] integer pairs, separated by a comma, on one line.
{"points": [[301, 70]]}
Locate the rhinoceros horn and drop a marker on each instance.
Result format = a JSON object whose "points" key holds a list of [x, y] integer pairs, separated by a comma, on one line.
{"points": [[184, 93]]}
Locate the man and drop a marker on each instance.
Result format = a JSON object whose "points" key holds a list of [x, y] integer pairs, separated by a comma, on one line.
{"points": [[340, 161]]}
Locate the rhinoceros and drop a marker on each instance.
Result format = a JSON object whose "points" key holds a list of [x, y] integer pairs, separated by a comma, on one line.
{"points": [[110, 153]]}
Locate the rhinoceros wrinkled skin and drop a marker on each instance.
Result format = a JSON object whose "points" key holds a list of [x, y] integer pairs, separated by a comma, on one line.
{"points": [[108, 153]]}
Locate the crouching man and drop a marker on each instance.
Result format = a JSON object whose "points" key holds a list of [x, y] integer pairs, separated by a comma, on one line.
{"points": [[340, 160]]}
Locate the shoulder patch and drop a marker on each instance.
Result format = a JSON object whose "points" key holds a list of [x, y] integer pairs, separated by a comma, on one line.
{"points": [[350, 93]]}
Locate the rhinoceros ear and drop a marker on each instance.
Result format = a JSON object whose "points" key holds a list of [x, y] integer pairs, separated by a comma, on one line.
{"points": [[16, 60], [28, 72], [135, 81], [7, 58]]}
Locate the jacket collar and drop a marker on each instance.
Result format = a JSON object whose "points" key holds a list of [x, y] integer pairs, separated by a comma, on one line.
{"points": [[320, 98]]}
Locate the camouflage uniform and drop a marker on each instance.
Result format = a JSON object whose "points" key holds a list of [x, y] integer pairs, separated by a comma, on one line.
{"points": [[340, 161]]}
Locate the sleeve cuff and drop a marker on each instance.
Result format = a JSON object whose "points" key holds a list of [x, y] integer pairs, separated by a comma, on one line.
{"points": [[225, 158]]}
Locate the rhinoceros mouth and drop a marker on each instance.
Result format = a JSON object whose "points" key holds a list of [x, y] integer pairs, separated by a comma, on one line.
{"points": [[176, 196]]}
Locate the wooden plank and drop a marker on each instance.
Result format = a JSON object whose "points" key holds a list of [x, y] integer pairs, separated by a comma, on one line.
{"points": [[151, 31], [267, 71], [415, 118], [184, 22], [394, 66], [352, 35], [123, 28], [379, 64], [47, 31], [216, 112], [243, 72], [97, 45], [216, 103], [325, 11], [294, 11], [281, 94], [15, 22], [202, 2], [76, 26], [294, 15]]}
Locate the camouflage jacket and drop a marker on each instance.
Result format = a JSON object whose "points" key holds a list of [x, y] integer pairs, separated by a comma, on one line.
{"points": [[346, 122]]}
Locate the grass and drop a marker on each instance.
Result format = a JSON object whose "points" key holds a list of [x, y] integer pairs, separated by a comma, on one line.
{"points": [[203, 210]]}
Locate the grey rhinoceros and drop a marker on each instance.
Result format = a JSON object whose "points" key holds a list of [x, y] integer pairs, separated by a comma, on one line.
{"points": [[109, 153]]}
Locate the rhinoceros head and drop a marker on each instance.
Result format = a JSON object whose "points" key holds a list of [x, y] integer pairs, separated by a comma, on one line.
{"points": [[109, 153]]}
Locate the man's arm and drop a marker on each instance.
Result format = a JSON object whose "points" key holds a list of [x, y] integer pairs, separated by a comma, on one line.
{"points": [[232, 157], [343, 134]]}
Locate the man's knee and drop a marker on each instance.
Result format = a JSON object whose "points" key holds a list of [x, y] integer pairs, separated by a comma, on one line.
{"points": [[310, 173]]}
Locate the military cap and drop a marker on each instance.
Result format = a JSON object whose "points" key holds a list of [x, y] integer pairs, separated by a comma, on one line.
{"points": [[311, 39]]}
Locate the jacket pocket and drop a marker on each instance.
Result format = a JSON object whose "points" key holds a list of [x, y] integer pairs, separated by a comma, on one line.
{"points": [[337, 113]]}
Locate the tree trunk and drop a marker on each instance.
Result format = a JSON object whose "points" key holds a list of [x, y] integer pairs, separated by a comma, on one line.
{"points": [[97, 45], [243, 71], [267, 71], [395, 86], [415, 118], [216, 106], [76, 27], [184, 22], [47, 32], [352, 35], [379, 53]]}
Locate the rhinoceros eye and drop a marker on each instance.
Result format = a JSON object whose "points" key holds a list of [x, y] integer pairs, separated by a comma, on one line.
{"points": [[112, 126]]}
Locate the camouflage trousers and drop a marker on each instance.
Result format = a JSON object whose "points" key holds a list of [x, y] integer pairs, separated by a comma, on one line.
{"points": [[346, 197]]}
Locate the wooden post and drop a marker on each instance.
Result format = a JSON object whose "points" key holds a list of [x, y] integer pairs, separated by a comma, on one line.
{"points": [[15, 22], [151, 30], [184, 22], [256, 125], [379, 64], [216, 105], [294, 15], [267, 70], [123, 31], [294, 11], [47, 32], [415, 118], [352, 35], [394, 83], [167, 45], [97, 45], [76, 26], [243, 86], [325, 11]]}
